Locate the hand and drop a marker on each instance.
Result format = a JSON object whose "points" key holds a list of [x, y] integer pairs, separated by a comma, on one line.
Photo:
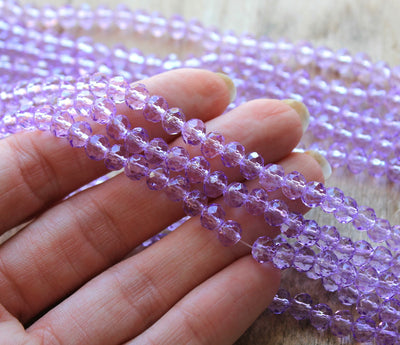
{"points": [[66, 278]]}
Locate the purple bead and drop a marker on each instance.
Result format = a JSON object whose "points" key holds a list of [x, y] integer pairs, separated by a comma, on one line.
{"points": [[232, 154], [293, 185], [229, 233], [394, 241], [197, 169], [310, 233], [136, 140], [393, 170], [97, 147], [375, 165], [325, 263], [364, 329], [193, 132], [115, 158], [337, 155], [194, 202], [136, 96], [329, 237], [347, 211], [380, 231], [388, 285], [320, 316], [173, 120], [276, 212], [102, 110], [215, 183], [293, 225], [213, 145], [118, 127], [235, 194], [157, 179], [357, 160], [155, 152], [284, 255], [251, 165], [83, 102], [344, 249], [79, 134], [263, 249], [344, 275], [386, 334], [381, 259], [348, 295], [280, 302], [117, 88], [43, 116], [177, 158], [313, 194], [98, 84], [212, 217], [136, 167], [329, 284], [389, 311], [271, 177], [304, 259], [366, 280], [362, 253], [256, 201], [301, 306], [155, 108], [176, 188], [60, 124], [365, 218], [341, 323], [368, 304]]}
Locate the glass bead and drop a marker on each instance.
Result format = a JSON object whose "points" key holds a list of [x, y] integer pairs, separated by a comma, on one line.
{"points": [[43, 116], [215, 183], [325, 263], [280, 302], [98, 84], [381, 259], [256, 201], [337, 155], [386, 334], [329, 237], [293, 185], [117, 89], [365, 218], [193, 132], [213, 145], [341, 323], [263, 249], [250, 165], [102, 110], [348, 295], [344, 275], [197, 169], [177, 158], [380, 231], [293, 225], [232, 154], [60, 124], [235, 194], [310, 233], [389, 311], [157, 179], [194, 202], [271, 177], [83, 103], [136, 96], [304, 259], [229, 233], [284, 255], [301, 306], [329, 284], [79, 134], [173, 120], [366, 280], [115, 158], [136, 167], [320, 316], [155, 152], [97, 147], [346, 212], [357, 160], [344, 249], [388, 285], [176, 188], [118, 126], [212, 217], [393, 170], [393, 241], [362, 253], [155, 108], [313, 194], [136, 140], [375, 165], [364, 329], [368, 304], [276, 212]]}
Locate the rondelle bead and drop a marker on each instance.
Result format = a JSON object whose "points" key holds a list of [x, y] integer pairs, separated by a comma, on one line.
{"points": [[197, 169], [213, 145], [79, 133], [136, 167], [97, 147], [341, 323], [293, 185], [194, 202], [313, 194], [155, 108], [251, 165], [173, 120], [263, 249], [232, 154], [275, 212], [380, 231], [344, 249], [229, 233], [344, 275], [388, 285], [393, 170], [293, 225], [304, 259], [102, 110], [347, 211], [136, 96], [157, 178], [83, 102], [193, 132], [329, 237], [368, 304], [365, 218], [281, 302], [300, 306], [381, 259], [271, 177], [366, 280], [348, 295], [256, 201], [176, 188], [235, 194], [386, 334], [320, 316], [325, 263], [362, 253], [364, 329], [309, 234], [389, 311], [115, 157], [43, 116], [136, 140], [177, 158], [283, 256], [212, 217], [215, 184], [333, 200], [60, 124], [118, 126], [357, 161], [155, 152], [117, 89], [393, 241], [98, 84]]}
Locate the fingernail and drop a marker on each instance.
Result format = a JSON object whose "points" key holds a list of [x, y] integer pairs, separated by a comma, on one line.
{"points": [[229, 83], [301, 109], [323, 163]]}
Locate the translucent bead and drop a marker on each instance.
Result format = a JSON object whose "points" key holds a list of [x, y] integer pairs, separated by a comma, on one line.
{"points": [[229, 233], [368, 304], [256, 201], [344, 275], [301, 306], [325, 263], [375, 165], [366, 280], [79, 134], [136, 96], [348, 295], [380, 231], [213, 145], [176, 188], [310, 233], [102, 110], [136, 167], [155, 108], [83, 102], [235, 194], [155, 152], [329, 284], [293, 225], [381, 259], [276, 212], [115, 158], [97, 147], [329, 237], [136, 140], [337, 155], [173, 120], [193, 132], [364, 329], [357, 160], [43, 116], [177, 158], [280, 302], [394, 241], [197, 169], [212, 217], [362, 253], [365, 218], [118, 126], [117, 89], [313, 194], [386, 334], [346, 212], [388, 285], [194, 202], [284, 255], [60, 124], [320, 316], [250, 165], [341, 323], [232, 155], [304, 259], [389, 310], [157, 179], [393, 170], [263, 249], [271, 177], [215, 184], [344, 249], [293, 185], [98, 84]]}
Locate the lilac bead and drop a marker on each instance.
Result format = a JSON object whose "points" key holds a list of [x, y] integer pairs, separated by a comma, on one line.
{"points": [[344, 275], [344, 249], [194, 202], [293, 185], [386, 334], [118, 126], [313, 194], [212, 217], [156, 151], [43, 116], [193, 132], [276, 212], [362, 253], [235, 194], [251, 165], [263, 249], [197, 169], [177, 158], [83, 102], [215, 184], [381, 259], [346, 212], [117, 88], [333, 200], [380, 231], [136, 140], [375, 165], [229, 233], [368, 304], [310, 233], [357, 160], [325, 263], [213, 145], [97, 147], [301, 306], [341, 323], [348, 295], [157, 179], [337, 155], [115, 157], [60, 124], [271, 177], [388, 285], [393, 170], [173, 120], [136, 167], [329, 237], [79, 134], [394, 241], [304, 259], [155, 108], [232, 154], [176, 188], [365, 218], [329, 284], [98, 84], [389, 310], [364, 329], [102, 110], [136, 96], [366, 280], [284, 255], [256, 201], [293, 225], [320, 316], [280, 302]]}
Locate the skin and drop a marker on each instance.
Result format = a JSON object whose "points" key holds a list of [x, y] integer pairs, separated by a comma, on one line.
{"points": [[66, 278]]}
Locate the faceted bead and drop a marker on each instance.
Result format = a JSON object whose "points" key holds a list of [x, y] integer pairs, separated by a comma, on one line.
{"points": [[333, 200], [194, 202], [362, 253], [280, 302], [263, 249], [155, 152], [136, 96], [394, 241], [60, 124], [136, 167], [276, 212], [386, 334], [155, 108], [193, 132], [375, 165], [329, 284], [393, 170], [313, 194], [344, 249], [310, 233], [229, 233], [136, 140], [97, 147], [320, 316], [176, 188], [115, 158], [325, 263], [301, 306], [212, 217], [213, 145], [79, 134], [329, 237], [197, 169], [284, 255], [117, 88], [341, 323], [118, 127], [348, 295], [396, 264], [83, 102], [337, 155], [344, 275], [368, 304], [380, 231], [304, 259], [271, 177], [293, 225], [365, 218], [215, 184], [388, 285], [102, 110], [366, 280], [157, 179], [364, 329], [173, 121], [256, 201], [232, 154], [389, 310], [235, 194], [98, 85], [251, 165], [381, 259], [177, 158], [357, 160], [293, 185], [43, 116]]}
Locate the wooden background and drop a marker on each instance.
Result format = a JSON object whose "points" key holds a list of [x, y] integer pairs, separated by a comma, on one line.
{"points": [[370, 26]]}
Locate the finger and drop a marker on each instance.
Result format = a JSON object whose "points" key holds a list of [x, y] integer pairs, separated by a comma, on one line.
{"points": [[37, 169], [135, 293], [220, 309]]}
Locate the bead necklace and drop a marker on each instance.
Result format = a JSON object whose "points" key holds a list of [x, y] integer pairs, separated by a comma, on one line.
{"points": [[49, 87]]}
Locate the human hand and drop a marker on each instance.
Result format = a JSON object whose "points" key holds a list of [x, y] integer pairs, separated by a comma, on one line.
{"points": [[66, 276]]}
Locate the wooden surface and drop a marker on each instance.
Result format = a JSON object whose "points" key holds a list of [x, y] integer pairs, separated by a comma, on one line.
{"points": [[370, 26]]}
